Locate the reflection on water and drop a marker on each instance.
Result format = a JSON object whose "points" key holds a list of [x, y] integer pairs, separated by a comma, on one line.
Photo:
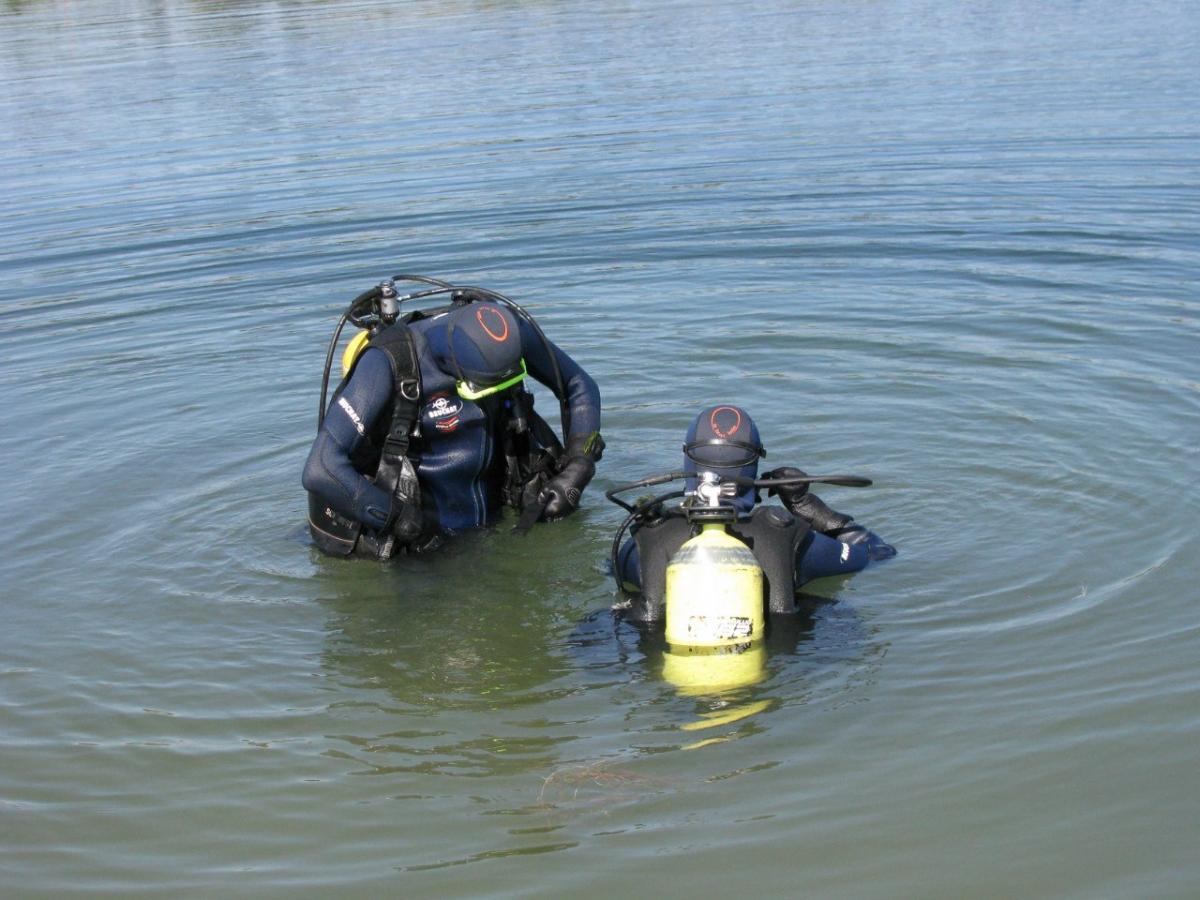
{"points": [[560, 736], [455, 678]]}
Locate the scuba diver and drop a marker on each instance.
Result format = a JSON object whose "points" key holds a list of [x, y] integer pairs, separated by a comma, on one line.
{"points": [[793, 544], [432, 430]]}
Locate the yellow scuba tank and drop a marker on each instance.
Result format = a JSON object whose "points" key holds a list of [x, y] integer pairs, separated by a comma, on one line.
{"points": [[713, 601], [715, 621], [704, 671], [714, 593], [353, 348]]}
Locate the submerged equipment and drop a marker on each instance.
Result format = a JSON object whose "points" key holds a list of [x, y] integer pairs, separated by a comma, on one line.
{"points": [[715, 602]]}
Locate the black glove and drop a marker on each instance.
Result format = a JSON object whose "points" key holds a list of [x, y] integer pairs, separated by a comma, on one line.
{"points": [[560, 496], [807, 506], [852, 534], [788, 493], [404, 516]]}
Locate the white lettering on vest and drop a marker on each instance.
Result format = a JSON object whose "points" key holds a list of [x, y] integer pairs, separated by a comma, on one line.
{"points": [[344, 404]]}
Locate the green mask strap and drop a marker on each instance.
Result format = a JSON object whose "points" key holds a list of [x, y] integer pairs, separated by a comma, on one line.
{"points": [[469, 392]]}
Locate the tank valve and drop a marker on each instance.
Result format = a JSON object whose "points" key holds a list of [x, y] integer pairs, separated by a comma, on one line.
{"points": [[389, 306]]}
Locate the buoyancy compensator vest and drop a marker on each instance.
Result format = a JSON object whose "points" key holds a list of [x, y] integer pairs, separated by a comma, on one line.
{"points": [[772, 533]]}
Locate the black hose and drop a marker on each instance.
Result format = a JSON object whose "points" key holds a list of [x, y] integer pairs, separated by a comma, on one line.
{"points": [[840, 480], [634, 513], [425, 279], [648, 481], [328, 365], [367, 296]]}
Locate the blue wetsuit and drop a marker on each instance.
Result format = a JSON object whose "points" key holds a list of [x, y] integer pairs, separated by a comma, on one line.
{"points": [[455, 450]]}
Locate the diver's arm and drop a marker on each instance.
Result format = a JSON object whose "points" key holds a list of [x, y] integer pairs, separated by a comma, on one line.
{"points": [[582, 394], [560, 497], [841, 527], [629, 568], [808, 506], [820, 556], [813, 510], [329, 473]]}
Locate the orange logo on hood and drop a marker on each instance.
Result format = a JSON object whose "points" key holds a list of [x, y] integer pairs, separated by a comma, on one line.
{"points": [[503, 335], [716, 426]]}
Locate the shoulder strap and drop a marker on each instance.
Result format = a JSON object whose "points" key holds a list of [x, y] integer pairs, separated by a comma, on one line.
{"points": [[657, 540], [774, 534], [396, 473], [398, 344]]}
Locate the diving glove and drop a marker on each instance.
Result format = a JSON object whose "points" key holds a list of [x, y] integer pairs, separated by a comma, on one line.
{"points": [[560, 497], [859, 534], [404, 516], [807, 506]]}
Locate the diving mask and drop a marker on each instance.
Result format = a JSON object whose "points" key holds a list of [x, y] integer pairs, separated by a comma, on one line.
{"points": [[469, 391]]}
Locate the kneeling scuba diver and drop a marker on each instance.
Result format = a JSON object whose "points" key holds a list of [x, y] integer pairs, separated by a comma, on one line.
{"points": [[432, 430], [709, 567]]}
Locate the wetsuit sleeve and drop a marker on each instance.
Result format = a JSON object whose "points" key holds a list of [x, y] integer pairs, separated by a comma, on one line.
{"points": [[820, 556], [581, 393], [329, 473], [629, 569]]}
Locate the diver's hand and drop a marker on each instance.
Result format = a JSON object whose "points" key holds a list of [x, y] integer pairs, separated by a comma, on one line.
{"points": [[808, 507], [560, 496], [405, 522], [404, 516], [858, 534], [788, 493]]}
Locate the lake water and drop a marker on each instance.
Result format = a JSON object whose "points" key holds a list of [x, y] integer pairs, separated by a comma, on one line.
{"points": [[954, 247]]}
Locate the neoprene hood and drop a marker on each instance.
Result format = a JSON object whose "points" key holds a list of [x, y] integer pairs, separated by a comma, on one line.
{"points": [[483, 344], [724, 440]]}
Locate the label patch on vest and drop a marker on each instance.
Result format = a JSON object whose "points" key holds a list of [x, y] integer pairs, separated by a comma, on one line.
{"points": [[443, 410]]}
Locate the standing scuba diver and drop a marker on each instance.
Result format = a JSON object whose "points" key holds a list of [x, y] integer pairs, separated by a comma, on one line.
{"points": [[432, 430], [791, 545]]}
